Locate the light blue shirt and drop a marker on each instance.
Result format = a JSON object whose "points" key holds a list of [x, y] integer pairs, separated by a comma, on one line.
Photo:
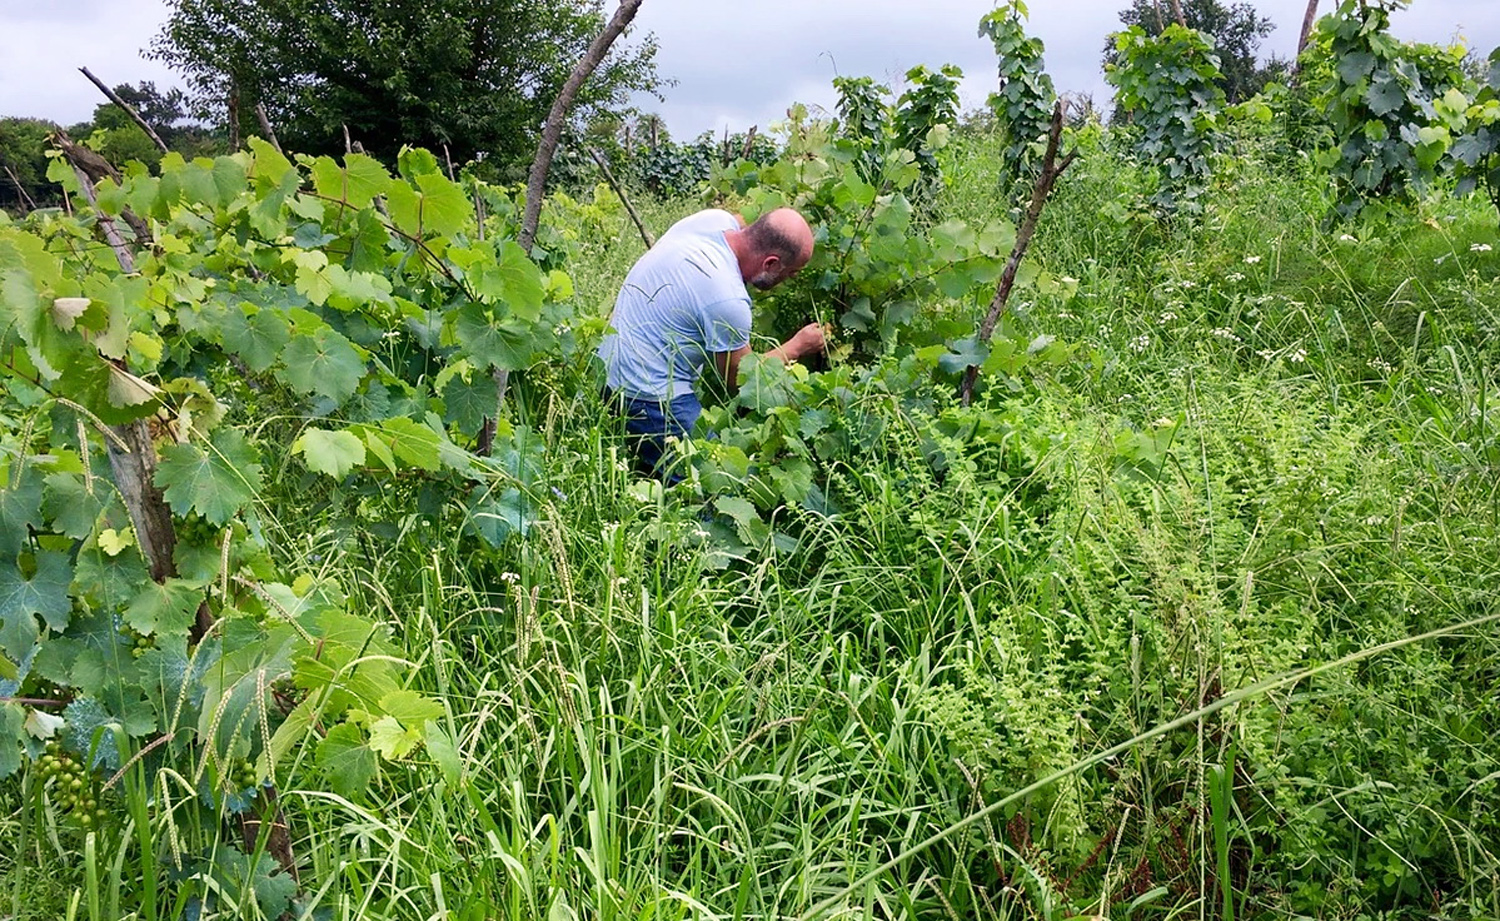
{"points": [[683, 301]]}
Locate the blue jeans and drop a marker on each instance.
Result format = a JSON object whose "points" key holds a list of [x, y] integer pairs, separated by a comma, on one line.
{"points": [[648, 425]]}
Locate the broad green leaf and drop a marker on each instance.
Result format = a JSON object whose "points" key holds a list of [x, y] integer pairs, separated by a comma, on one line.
{"points": [[109, 582], [324, 363], [20, 512], [445, 207], [333, 453], [499, 517], [492, 342], [747, 522], [115, 542], [269, 165], [410, 708], [444, 753], [467, 404], [413, 443], [966, 353], [512, 279], [12, 725], [167, 608], [358, 182], [391, 741], [70, 505], [215, 483], [44, 593], [257, 336]]}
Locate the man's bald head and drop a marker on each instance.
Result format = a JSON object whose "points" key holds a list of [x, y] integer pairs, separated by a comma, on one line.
{"points": [[780, 242]]}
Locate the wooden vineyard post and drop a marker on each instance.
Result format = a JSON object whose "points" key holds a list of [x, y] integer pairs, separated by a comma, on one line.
{"points": [[132, 460], [536, 185], [1045, 181]]}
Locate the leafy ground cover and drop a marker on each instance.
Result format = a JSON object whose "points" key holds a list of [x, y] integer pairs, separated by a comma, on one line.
{"points": [[1196, 602]]}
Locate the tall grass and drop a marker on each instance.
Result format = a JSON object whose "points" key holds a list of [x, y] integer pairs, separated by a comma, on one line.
{"points": [[1098, 687]]}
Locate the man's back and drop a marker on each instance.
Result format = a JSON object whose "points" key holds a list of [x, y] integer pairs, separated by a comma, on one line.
{"points": [[682, 301]]}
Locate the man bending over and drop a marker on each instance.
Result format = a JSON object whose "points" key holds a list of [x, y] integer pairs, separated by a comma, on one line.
{"points": [[685, 304]]}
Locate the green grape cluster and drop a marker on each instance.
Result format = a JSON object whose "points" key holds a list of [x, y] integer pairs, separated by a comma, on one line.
{"points": [[195, 530], [140, 643], [243, 776], [72, 785]]}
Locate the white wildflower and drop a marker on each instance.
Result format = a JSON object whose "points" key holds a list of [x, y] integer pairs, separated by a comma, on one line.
{"points": [[1347, 238], [1480, 248], [1299, 356], [1251, 260], [1140, 343], [1235, 278]]}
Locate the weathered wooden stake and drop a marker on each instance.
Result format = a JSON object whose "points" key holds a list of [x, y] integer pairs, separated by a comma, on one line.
{"points": [[609, 177], [129, 110], [1051, 170]]}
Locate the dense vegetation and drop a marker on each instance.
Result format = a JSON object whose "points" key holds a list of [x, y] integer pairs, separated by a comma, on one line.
{"points": [[1191, 612]]}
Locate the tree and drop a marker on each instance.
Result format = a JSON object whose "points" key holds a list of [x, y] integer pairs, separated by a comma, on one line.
{"points": [[475, 75], [1237, 30], [23, 162]]}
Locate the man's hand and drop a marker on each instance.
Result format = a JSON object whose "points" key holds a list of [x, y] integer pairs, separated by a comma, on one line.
{"points": [[809, 340]]}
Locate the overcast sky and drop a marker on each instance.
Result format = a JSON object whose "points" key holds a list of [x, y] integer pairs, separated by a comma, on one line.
{"points": [[736, 64]]}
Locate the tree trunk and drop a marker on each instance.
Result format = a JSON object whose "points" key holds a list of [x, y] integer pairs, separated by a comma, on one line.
{"points": [[1177, 11], [265, 125]]}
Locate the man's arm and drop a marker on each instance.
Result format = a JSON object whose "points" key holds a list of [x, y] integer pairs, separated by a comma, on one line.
{"points": [[808, 340]]}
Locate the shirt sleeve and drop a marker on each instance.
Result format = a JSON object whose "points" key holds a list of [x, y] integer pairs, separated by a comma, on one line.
{"points": [[726, 325]]}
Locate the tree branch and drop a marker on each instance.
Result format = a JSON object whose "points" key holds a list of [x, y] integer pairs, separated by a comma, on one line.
{"points": [[557, 118], [1051, 170], [265, 125], [1308, 18], [129, 110], [609, 177], [536, 184]]}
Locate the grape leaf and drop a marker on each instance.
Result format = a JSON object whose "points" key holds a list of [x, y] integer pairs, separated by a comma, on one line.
{"points": [[253, 880], [108, 582], [12, 724], [491, 341], [269, 164], [20, 510], [348, 761], [256, 337], [391, 741], [412, 442], [71, 506], [215, 484], [333, 453], [167, 608], [468, 403], [496, 518], [513, 279], [44, 593], [410, 708], [91, 730], [324, 363]]}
